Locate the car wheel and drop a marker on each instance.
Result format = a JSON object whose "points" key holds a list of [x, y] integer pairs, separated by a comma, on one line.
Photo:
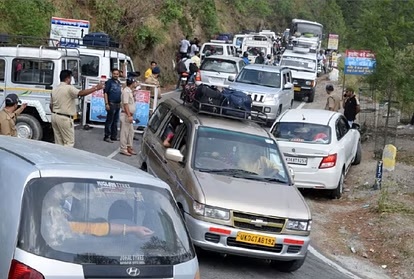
{"points": [[358, 155], [337, 192], [311, 96], [144, 167], [288, 266], [28, 127]]}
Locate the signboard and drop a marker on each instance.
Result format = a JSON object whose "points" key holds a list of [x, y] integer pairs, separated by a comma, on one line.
{"points": [[333, 41], [359, 62], [142, 102], [69, 28], [97, 111]]}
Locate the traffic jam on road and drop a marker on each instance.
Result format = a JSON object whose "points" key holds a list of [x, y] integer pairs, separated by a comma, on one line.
{"points": [[219, 168]]}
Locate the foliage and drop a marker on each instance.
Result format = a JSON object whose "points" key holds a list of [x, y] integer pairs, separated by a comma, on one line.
{"points": [[109, 16], [147, 37], [208, 17], [172, 10]]}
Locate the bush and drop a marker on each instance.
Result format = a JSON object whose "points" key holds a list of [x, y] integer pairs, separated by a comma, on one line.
{"points": [[147, 38]]}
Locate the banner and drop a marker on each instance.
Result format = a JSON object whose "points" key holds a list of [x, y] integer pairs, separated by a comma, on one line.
{"points": [[142, 103], [68, 28], [359, 62], [97, 110], [333, 41]]}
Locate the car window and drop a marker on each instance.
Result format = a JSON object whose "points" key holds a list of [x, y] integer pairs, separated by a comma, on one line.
{"points": [[341, 128], [213, 49], [89, 65], [171, 130], [255, 51], [32, 71], [302, 132], [157, 117], [264, 78], [219, 65], [2, 70], [181, 139], [219, 149], [299, 62], [87, 221]]}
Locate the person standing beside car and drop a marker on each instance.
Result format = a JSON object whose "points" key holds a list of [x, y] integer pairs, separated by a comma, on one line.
{"points": [[63, 108], [8, 115], [127, 118], [332, 102], [351, 106], [112, 95]]}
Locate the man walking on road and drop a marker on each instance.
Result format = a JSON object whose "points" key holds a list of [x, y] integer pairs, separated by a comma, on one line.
{"points": [[351, 106], [127, 118], [8, 116], [332, 102], [63, 108], [112, 95]]}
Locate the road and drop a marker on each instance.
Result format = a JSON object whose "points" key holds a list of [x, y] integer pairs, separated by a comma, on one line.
{"points": [[216, 266]]}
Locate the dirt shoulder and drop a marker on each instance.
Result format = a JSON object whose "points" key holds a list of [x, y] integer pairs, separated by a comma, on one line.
{"points": [[368, 231]]}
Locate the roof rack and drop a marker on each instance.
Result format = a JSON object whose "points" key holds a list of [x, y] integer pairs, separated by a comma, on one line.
{"points": [[227, 112]]}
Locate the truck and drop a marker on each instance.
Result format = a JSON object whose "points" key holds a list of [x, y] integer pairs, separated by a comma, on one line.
{"points": [[306, 30], [254, 44]]}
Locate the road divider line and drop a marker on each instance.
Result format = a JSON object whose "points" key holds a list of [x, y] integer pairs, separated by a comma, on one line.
{"points": [[110, 156], [301, 105], [332, 263]]}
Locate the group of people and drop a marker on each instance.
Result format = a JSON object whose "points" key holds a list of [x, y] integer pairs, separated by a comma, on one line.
{"points": [[350, 103]]}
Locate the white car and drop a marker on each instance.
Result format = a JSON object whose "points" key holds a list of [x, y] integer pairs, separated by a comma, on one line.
{"points": [[319, 146]]}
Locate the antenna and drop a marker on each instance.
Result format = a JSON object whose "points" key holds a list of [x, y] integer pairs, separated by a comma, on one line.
{"points": [[303, 117]]}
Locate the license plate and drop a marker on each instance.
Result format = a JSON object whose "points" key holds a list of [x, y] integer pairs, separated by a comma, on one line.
{"points": [[296, 88], [256, 239], [297, 160]]}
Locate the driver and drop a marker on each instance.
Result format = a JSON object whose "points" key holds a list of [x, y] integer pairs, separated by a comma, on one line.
{"points": [[251, 160]]}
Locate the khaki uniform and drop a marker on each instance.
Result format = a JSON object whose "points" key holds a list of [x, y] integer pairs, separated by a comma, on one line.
{"points": [[127, 128], [154, 81], [333, 103], [8, 123], [64, 108]]}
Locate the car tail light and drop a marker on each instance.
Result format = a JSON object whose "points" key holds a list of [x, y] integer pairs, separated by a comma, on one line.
{"points": [[198, 76], [22, 271], [328, 161]]}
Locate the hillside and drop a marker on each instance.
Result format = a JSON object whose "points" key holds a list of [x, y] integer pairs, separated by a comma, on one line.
{"points": [[152, 29]]}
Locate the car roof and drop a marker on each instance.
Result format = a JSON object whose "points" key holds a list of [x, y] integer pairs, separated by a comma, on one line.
{"points": [[309, 55], [266, 68], [46, 157], [213, 121], [224, 57], [315, 116]]}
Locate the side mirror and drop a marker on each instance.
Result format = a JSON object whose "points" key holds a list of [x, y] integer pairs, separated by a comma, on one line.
{"points": [[292, 173], [288, 86], [174, 155], [231, 78]]}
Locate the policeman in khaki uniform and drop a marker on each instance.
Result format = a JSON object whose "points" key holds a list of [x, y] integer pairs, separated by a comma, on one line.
{"points": [[128, 109], [8, 116], [63, 108]]}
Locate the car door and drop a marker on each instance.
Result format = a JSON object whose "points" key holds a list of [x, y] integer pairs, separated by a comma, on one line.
{"points": [[345, 139], [150, 146]]}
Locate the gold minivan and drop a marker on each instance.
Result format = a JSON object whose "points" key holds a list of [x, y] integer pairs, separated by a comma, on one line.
{"points": [[231, 182]]}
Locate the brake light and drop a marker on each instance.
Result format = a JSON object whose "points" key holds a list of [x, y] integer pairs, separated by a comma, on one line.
{"points": [[328, 161], [22, 271], [198, 76]]}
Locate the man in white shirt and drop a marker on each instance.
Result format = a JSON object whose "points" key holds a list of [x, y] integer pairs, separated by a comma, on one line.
{"points": [[322, 59], [184, 45], [194, 47]]}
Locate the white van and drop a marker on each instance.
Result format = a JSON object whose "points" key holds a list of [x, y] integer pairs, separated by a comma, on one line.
{"points": [[31, 73], [217, 47], [254, 44]]}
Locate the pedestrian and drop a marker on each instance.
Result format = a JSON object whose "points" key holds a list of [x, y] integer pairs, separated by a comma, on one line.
{"points": [[351, 106], [127, 118], [112, 95], [196, 58], [246, 58], [194, 47], [8, 115], [148, 72], [153, 80], [260, 59], [332, 102], [181, 68], [63, 108], [184, 47], [322, 60]]}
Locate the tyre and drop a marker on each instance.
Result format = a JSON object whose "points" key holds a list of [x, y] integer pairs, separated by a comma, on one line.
{"points": [[144, 167], [288, 266], [337, 192], [29, 127], [358, 155], [311, 96]]}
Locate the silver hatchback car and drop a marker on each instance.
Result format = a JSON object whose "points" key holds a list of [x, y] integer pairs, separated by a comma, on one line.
{"points": [[67, 213]]}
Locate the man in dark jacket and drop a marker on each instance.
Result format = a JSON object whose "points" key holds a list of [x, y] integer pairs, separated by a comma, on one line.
{"points": [[351, 106], [112, 95], [260, 59]]}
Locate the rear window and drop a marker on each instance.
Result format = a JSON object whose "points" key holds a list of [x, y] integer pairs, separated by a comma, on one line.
{"points": [[302, 132], [219, 65], [102, 222], [213, 49]]}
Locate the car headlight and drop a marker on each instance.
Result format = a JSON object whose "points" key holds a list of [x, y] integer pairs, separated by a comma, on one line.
{"points": [[211, 212], [309, 82], [299, 225]]}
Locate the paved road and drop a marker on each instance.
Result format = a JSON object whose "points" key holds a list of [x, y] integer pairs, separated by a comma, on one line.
{"points": [[215, 266]]}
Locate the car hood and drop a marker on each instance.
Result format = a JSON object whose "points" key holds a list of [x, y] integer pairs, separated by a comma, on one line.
{"points": [[303, 75], [271, 199], [252, 88]]}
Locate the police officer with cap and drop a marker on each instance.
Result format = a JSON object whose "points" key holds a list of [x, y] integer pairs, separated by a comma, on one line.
{"points": [[8, 116]]}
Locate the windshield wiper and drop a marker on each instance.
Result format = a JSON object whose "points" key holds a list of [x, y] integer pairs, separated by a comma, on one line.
{"points": [[260, 178], [228, 171], [249, 82]]}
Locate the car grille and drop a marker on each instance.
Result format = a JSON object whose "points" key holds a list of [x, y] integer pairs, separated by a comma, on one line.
{"points": [[258, 97], [299, 82], [257, 108], [294, 249], [231, 241], [253, 222]]}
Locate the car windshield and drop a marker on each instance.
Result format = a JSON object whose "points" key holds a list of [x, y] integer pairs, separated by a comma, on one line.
{"points": [[213, 49], [219, 65], [87, 221], [311, 29], [255, 51], [259, 77], [238, 154], [302, 132], [298, 62]]}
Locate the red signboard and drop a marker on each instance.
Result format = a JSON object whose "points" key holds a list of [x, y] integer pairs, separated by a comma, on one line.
{"points": [[360, 53]]}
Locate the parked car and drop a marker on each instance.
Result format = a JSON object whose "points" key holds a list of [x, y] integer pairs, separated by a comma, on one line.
{"points": [[320, 147], [270, 87], [72, 214], [231, 182], [215, 70]]}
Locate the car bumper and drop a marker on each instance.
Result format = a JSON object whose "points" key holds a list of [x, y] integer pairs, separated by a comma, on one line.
{"points": [[222, 239], [269, 108], [322, 179], [303, 91]]}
